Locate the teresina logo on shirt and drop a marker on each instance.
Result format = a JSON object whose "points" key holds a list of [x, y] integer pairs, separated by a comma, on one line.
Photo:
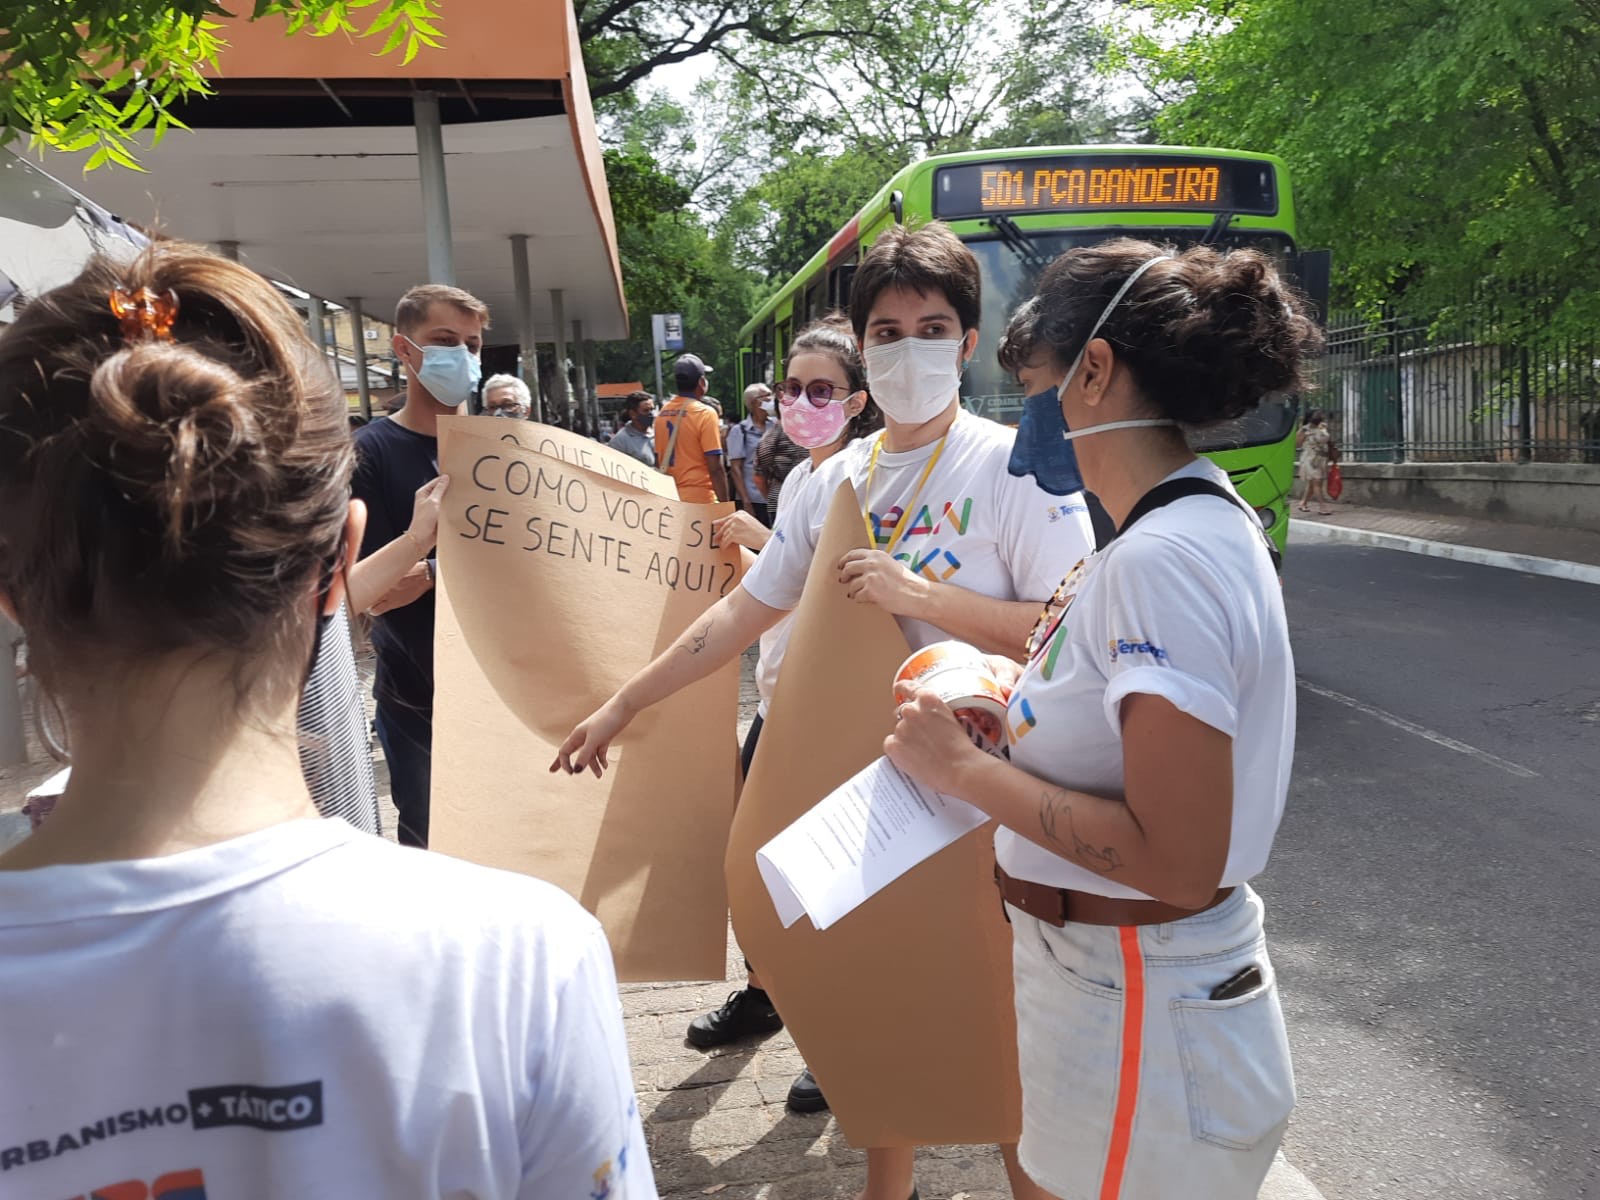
{"points": [[271, 1109], [1121, 647]]}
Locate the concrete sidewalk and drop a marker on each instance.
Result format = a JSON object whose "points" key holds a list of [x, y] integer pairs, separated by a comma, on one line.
{"points": [[1495, 543]]}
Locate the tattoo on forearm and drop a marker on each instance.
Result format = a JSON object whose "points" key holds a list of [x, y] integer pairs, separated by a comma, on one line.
{"points": [[1054, 812], [699, 637]]}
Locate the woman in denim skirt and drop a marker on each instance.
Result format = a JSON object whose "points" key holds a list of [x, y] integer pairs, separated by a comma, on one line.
{"points": [[1151, 739]]}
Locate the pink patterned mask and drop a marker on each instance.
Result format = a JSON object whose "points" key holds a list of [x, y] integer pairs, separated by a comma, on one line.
{"points": [[811, 427]]}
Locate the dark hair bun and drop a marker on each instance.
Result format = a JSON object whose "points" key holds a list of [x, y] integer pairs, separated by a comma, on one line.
{"points": [[158, 495], [1208, 334], [171, 425]]}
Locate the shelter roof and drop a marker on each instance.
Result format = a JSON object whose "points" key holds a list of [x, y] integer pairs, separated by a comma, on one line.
{"points": [[307, 158]]}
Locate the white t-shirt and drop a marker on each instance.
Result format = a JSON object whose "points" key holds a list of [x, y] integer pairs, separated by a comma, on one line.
{"points": [[973, 523], [309, 1011], [776, 640], [1185, 606]]}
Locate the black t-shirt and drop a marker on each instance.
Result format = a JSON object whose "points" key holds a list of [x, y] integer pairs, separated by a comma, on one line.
{"points": [[392, 462]]}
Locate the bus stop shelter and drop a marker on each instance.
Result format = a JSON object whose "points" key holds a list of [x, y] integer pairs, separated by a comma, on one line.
{"points": [[350, 177], [353, 177]]}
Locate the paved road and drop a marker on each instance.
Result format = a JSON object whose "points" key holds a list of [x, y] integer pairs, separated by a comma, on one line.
{"points": [[1434, 901]]}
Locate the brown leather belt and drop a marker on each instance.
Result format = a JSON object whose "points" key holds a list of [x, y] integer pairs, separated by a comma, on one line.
{"points": [[1056, 906]]}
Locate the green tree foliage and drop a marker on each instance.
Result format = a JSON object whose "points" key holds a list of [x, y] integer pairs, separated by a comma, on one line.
{"points": [[625, 40], [782, 145], [1437, 145], [671, 262], [90, 74]]}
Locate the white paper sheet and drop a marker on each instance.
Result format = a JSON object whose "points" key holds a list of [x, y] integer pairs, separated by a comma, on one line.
{"points": [[857, 841]]}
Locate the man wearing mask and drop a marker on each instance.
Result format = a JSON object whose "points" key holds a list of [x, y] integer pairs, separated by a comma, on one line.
{"points": [[438, 337], [743, 439], [638, 416], [689, 437]]}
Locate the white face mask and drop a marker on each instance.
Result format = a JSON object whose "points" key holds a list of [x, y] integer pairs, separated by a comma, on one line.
{"points": [[915, 379]]}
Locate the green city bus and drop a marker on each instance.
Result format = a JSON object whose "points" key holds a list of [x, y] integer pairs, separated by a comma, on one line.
{"points": [[1018, 209]]}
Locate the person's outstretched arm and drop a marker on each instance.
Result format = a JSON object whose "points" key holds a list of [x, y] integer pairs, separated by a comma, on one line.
{"points": [[712, 641]]}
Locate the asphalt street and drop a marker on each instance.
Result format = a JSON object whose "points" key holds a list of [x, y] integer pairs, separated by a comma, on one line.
{"points": [[1434, 899]]}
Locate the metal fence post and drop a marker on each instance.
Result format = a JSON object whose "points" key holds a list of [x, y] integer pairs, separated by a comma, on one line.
{"points": [[1525, 417]]}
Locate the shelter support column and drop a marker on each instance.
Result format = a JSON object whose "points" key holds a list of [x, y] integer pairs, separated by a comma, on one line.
{"points": [[527, 347], [435, 190], [317, 326], [594, 381], [580, 360], [558, 310], [358, 326]]}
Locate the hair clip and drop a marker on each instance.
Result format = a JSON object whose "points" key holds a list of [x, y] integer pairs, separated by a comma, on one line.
{"points": [[145, 313]]}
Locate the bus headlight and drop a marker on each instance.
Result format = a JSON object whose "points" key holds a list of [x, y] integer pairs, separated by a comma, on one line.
{"points": [[1267, 517]]}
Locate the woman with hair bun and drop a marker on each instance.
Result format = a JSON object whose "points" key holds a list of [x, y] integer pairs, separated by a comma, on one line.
{"points": [[206, 986], [1152, 733]]}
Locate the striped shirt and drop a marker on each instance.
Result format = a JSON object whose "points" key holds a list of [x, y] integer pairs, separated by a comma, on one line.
{"points": [[335, 753]]}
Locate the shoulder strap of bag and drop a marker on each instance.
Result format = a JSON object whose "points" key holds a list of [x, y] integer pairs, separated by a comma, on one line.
{"points": [[1164, 494]]}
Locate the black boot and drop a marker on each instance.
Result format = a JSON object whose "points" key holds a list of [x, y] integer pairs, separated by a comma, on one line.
{"points": [[805, 1096], [746, 1013]]}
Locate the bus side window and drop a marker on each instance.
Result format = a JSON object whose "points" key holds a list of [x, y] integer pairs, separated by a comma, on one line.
{"points": [[839, 286]]}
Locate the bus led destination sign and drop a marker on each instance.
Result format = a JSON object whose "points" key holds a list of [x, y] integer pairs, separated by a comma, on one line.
{"points": [[1103, 182]]}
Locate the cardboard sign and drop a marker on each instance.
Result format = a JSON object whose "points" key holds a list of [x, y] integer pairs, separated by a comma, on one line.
{"points": [[902, 1009], [559, 581]]}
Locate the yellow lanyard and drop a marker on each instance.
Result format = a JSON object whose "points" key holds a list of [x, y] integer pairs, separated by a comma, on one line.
{"points": [[905, 514]]}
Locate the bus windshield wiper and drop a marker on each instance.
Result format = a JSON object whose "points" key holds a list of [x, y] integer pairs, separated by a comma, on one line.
{"points": [[1018, 243], [1219, 226]]}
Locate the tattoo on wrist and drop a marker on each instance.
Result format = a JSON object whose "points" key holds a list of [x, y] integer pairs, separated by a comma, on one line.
{"points": [[699, 637], [1054, 813]]}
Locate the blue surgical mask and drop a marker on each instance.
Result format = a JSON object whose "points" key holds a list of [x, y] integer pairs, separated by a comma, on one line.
{"points": [[450, 373], [1042, 448]]}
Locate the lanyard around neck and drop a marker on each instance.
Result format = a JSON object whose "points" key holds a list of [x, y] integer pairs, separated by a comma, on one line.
{"points": [[905, 514]]}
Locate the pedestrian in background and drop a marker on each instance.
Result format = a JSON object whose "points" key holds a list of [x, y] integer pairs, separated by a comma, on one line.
{"points": [[507, 396], [1152, 739], [330, 1014], [1318, 452], [688, 437], [744, 438], [635, 436]]}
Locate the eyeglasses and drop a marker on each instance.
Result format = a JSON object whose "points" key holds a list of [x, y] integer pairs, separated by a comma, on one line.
{"points": [[820, 392]]}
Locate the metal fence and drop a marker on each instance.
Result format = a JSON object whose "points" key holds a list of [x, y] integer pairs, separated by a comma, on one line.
{"points": [[1486, 380]]}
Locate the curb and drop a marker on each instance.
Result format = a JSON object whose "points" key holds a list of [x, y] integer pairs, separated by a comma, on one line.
{"points": [[1529, 564]]}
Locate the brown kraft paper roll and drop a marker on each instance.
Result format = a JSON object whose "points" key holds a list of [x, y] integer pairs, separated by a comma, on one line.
{"points": [[903, 1010]]}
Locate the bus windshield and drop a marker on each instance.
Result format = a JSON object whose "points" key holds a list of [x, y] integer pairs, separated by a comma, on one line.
{"points": [[1009, 279]]}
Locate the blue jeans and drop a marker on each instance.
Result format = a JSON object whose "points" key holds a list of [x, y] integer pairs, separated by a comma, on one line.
{"points": [[408, 749]]}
